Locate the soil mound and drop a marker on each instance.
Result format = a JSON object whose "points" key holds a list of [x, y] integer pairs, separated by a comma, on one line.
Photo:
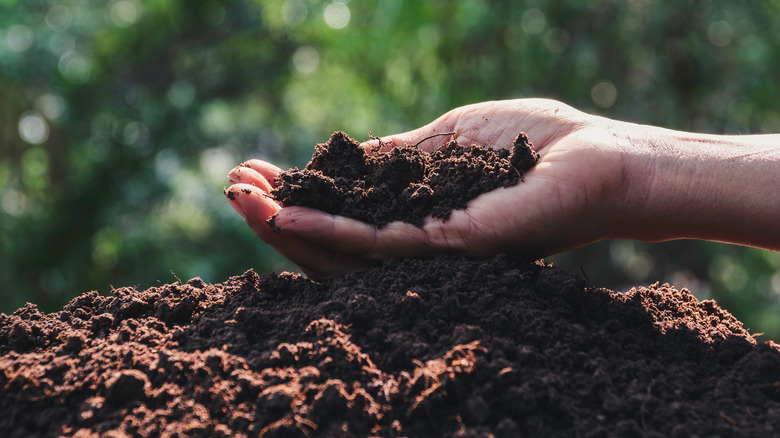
{"points": [[443, 347], [405, 184]]}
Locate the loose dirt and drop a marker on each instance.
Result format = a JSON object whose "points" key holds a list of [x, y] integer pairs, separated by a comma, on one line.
{"points": [[442, 347], [406, 184]]}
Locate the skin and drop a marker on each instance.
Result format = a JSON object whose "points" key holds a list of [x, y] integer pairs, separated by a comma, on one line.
{"points": [[596, 179]]}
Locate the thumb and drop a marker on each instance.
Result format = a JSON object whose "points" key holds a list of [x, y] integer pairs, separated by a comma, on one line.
{"points": [[427, 138]]}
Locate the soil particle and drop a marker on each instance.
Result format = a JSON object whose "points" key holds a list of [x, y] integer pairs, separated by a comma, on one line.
{"points": [[435, 348], [272, 223], [405, 184], [229, 195]]}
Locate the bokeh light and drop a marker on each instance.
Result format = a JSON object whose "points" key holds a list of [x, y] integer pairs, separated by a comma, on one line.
{"points": [[58, 18], [533, 21], [294, 12], [720, 33], [51, 105], [74, 66], [19, 38], [33, 128], [604, 94], [337, 15], [181, 94], [306, 59], [125, 13]]}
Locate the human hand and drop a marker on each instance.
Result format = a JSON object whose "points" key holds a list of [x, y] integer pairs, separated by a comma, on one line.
{"points": [[564, 202]]}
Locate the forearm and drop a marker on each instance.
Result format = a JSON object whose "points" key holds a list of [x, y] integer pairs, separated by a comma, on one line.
{"points": [[684, 185]]}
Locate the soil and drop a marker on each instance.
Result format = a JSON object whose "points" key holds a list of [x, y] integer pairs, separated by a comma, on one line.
{"points": [[421, 348], [405, 184]]}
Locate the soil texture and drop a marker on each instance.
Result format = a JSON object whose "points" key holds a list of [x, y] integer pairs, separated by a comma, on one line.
{"points": [[422, 348], [405, 184]]}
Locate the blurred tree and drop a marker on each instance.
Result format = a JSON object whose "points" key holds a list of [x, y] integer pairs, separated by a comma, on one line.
{"points": [[119, 119]]}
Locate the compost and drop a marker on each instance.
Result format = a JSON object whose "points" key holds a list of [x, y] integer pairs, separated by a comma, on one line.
{"points": [[405, 184], [422, 348]]}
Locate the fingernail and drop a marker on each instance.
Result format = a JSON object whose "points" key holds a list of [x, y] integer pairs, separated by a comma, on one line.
{"points": [[235, 201], [231, 175]]}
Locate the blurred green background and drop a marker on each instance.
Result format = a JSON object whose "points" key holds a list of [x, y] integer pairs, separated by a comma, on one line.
{"points": [[120, 119]]}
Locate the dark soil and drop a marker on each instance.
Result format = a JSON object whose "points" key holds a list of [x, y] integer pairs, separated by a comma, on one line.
{"points": [[443, 347], [406, 184]]}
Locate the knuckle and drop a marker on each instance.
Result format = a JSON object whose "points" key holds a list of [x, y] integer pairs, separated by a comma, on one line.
{"points": [[449, 237]]}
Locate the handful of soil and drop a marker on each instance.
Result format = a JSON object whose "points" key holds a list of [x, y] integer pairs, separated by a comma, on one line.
{"points": [[405, 184]]}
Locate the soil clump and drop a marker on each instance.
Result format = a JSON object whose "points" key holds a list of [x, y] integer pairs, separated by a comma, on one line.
{"points": [[421, 348], [405, 184]]}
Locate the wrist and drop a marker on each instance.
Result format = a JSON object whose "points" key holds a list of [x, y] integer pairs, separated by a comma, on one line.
{"points": [[713, 187]]}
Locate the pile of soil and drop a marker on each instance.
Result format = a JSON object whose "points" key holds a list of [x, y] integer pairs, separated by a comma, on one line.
{"points": [[428, 348], [405, 184]]}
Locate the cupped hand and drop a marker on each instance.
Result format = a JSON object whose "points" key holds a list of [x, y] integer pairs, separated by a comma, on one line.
{"points": [[567, 200]]}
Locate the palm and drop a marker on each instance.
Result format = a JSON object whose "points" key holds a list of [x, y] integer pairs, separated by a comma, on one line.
{"points": [[557, 191]]}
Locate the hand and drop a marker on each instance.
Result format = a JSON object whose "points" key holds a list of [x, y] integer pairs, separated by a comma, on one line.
{"points": [[566, 201]]}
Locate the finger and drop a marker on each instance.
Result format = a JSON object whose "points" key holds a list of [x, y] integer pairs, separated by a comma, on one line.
{"points": [[253, 204], [247, 175], [264, 168], [359, 239], [318, 263], [425, 138]]}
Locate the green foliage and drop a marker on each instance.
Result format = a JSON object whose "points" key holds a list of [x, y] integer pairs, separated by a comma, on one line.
{"points": [[119, 120]]}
